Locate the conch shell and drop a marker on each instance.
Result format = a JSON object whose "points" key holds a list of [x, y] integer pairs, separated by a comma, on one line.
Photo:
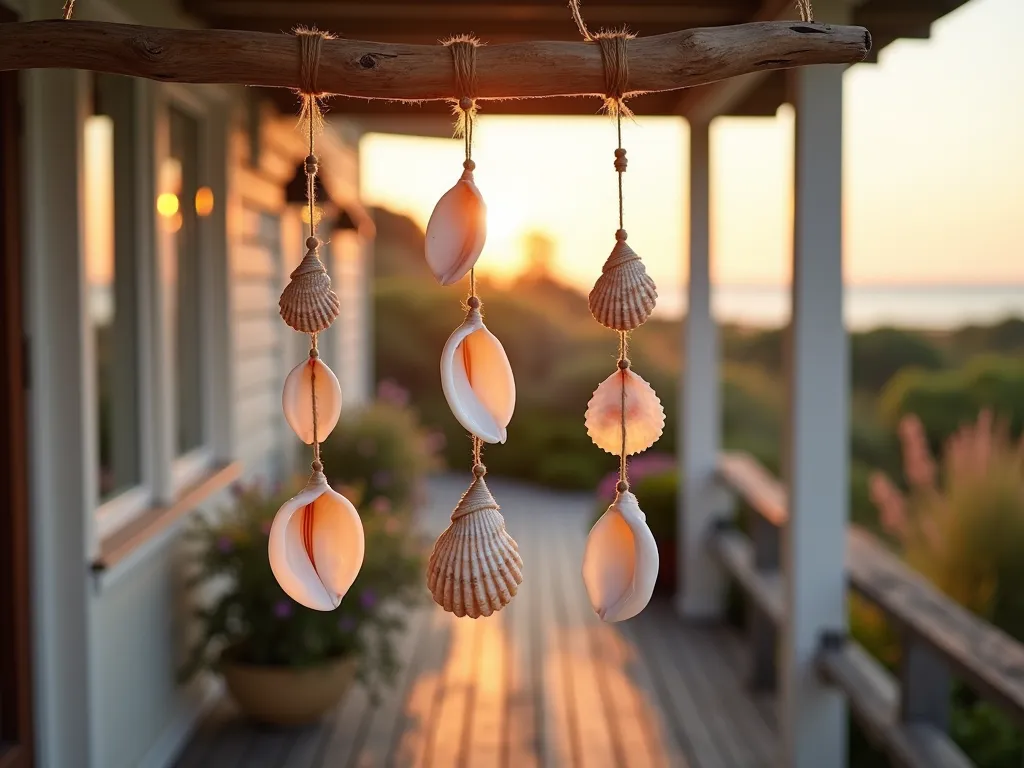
{"points": [[475, 568], [307, 303], [456, 230], [645, 418], [477, 378], [624, 295], [620, 564], [297, 399], [316, 545]]}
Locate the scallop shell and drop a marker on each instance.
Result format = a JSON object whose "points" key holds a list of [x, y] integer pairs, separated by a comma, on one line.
{"points": [[645, 417], [475, 568], [620, 563], [307, 303], [316, 545], [624, 295], [456, 231], [297, 399], [477, 379]]}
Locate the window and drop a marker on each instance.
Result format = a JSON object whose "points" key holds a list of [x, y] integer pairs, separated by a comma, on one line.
{"points": [[112, 287], [187, 284], [149, 303]]}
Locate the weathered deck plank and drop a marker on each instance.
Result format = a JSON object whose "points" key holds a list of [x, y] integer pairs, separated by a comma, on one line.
{"points": [[543, 683]]}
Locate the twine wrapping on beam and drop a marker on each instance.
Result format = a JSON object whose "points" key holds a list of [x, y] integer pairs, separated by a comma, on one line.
{"points": [[424, 72]]}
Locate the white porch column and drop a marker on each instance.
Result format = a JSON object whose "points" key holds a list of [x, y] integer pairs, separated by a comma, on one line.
{"points": [[813, 718], [700, 579]]}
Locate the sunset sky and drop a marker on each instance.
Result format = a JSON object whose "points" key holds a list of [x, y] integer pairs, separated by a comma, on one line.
{"points": [[934, 173]]}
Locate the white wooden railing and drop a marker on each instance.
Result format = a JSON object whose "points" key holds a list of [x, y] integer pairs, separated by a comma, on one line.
{"points": [[907, 714]]}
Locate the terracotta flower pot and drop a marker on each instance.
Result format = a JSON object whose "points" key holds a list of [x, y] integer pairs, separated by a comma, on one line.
{"points": [[285, 696]]}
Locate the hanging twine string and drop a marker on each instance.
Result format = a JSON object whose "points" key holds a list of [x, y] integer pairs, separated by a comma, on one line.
{"points": [[69, 7], [310, 46], [463, 50], [805, 9], [314, 354], [615, 64]]}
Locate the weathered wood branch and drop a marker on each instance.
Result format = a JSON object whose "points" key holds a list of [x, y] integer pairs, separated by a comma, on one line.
{"points": [[424, 72]]}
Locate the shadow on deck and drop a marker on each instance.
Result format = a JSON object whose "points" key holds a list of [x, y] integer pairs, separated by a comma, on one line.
{"points": [[544, 682]]}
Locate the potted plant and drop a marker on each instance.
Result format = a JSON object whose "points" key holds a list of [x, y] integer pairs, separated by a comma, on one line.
{"points": [[285, 664]]}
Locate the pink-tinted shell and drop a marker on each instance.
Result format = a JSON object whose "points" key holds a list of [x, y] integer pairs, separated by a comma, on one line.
{"points": [[645, 417]]}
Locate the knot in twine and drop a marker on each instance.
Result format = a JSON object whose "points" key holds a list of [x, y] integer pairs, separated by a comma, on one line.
{"points": [[614, 61], [311, 43], [463, 49]]}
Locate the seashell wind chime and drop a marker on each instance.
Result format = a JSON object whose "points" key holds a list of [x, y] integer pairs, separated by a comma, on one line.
{"points": [[316, 540], [624, 416], [474, 568]]}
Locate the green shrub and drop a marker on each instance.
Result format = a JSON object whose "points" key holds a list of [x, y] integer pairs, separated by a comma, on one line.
{"points": [[946, 400], [878, 355], [380, 452]]}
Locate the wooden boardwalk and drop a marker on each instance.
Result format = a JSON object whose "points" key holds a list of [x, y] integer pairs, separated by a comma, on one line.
{"points": [[542, 683]]}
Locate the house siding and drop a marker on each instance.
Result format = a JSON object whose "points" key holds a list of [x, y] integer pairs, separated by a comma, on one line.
{"points": [[109, 646]]}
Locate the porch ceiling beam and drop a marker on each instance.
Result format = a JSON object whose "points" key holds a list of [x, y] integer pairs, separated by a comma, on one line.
{"points": [[701, 105], [424, 72]]}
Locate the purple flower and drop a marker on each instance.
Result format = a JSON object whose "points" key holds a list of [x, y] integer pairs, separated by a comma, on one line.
{"points": [[391, 392], [435, 441], [282, 609], [381, 505], [346, 624], [367, 599], [225, 544], [381, 478]]}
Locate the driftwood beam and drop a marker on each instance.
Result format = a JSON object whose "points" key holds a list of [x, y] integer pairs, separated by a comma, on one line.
{"points": [[424, 72]]}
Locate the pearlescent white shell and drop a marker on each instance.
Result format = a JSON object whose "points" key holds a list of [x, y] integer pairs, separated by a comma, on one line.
{"points": [[645, 418], [620, 564], [456, 231], [477, 380], [475, 568], [297, 400], [316, 545]]}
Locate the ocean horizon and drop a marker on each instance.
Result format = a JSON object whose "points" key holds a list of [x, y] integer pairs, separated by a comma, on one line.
{"points": [[928, 307]]}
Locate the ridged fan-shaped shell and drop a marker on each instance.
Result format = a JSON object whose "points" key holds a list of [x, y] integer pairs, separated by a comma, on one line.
{"points": [[475, 568], [624, 295], [645, 416], [307, 303]]}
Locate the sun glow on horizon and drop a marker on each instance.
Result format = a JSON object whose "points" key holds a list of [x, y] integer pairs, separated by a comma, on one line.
{"points": [[933, 175]]}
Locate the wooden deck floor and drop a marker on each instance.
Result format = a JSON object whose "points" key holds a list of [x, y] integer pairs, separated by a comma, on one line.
{"points": [[543, 683]]}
